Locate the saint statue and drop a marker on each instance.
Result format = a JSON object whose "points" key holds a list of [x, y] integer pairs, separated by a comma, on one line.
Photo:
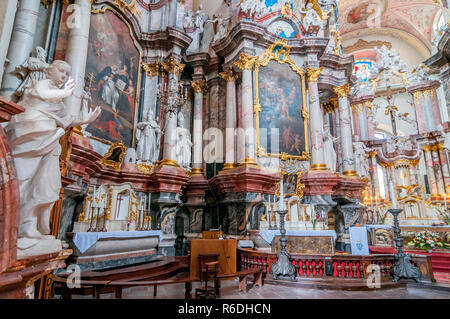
{"points": [[361, 164], [34, 140], [200, 18], [222, 27], [148, 137], [189, 21], [184, 143], [311, 18], [328, 146], [32, 70]]}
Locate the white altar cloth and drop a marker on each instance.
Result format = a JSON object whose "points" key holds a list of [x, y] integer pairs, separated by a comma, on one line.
{"points": [[83, 241], [268, 235]]}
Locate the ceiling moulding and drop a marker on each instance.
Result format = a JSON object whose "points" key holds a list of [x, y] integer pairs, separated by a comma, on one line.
{"points": [[366, 45]]}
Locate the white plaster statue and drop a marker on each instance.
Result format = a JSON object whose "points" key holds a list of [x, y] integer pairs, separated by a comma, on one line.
{"points": [[361, 164], [389, 63], [34, 139], [328, 145], [312, 18], [253, 7], [130, 156], [446, 144], [189, 20], [420, 73], [438, 34], [184, 143], [32, 70], [200, 18], [86, 101], [361, 88], [222, 27], [148, 137]]}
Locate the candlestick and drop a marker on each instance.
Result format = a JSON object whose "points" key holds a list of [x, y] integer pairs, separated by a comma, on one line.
{"points": [[391, 191], [281, 206], [149, 200]]}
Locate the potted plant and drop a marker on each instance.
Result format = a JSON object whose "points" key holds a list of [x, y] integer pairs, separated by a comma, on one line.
{"points": [[382, 216], [128, 223], [426, 240], [445, 215], [315, 219]]}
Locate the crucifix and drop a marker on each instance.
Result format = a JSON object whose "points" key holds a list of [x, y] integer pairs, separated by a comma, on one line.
{"points": [[119, 199]]}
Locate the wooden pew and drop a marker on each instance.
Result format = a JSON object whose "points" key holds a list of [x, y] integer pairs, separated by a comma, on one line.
{"points": [[243, 278], [86, 287], [119, 285]]}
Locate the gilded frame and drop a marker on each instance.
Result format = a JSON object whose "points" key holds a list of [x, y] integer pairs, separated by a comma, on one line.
{"points": [[299, 186], [110, 163], [279, 52], [101, 9]]}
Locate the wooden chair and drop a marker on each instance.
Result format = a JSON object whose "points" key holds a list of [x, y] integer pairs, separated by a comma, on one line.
{"points": [[209, 264]]}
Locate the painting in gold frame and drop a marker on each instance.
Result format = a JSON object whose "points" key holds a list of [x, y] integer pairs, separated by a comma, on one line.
{"points": [[280, 104], [113, 76]]}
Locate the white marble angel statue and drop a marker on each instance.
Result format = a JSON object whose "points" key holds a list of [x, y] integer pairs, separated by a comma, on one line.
{"points": [[328, 146], [361, 164], [200, 18], [148, 136], [32, 70], [222, 27], [184, 143], [34, 140], [189, 20]]}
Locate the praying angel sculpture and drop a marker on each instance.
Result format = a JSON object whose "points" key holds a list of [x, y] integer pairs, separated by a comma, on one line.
{"points": [[34, 140]]}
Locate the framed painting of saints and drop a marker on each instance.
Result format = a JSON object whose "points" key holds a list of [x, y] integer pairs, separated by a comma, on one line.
{"points": [[281, 116], [112, 78]]}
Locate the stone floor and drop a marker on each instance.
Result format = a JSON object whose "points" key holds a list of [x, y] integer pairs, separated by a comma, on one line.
{"points": [[230, 290]]}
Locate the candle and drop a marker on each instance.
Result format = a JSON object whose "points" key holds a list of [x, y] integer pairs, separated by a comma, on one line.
{"points": [[391, 191], [93, 196], [445, 201], [149, 200], [281, 206]]}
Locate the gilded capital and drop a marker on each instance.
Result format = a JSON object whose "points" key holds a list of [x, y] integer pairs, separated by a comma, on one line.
{"points": [[245, 62], [229, 75], [198, 86], [372, 154], [173, 66], [313, 74], [151, 69], [342, 91]]}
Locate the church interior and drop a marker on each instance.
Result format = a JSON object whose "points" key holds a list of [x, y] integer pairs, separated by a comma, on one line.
{"points": [[195, 149]]}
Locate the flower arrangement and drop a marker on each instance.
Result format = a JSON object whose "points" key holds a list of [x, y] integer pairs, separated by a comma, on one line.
{"points": [[426, 240], [315, 219], [129, 220], [382, 216]]}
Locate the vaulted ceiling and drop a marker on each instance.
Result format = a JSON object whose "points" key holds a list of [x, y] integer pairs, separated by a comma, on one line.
{"points": [[389, 17]]}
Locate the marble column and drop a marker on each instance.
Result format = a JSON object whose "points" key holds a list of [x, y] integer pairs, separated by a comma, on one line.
{"points": [[10, 8], [316, 121], [245, 63], [76, 54], [430, 172], [419, 111], [356, 110], [348, 158], [174, 69], [437, 116], [374, 170], [230, 125], [429, 112], [197, 131], [151, 87], [445, 168], [338, 145], [173, 13], [20, 45]]}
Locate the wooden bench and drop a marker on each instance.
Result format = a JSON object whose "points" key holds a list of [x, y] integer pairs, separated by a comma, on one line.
{"points": [[119, 285], [243, 278], [86, 287]]}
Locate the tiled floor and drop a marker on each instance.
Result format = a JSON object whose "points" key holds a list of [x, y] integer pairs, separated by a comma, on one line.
{"points": [[230, 290]]}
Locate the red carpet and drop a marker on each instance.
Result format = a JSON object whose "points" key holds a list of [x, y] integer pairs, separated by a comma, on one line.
{"points": [[440, 260]]}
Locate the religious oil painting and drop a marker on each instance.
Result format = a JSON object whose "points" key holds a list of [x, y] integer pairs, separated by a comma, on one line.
{"points": [[112, 76], [290, 184], [280, 94]]}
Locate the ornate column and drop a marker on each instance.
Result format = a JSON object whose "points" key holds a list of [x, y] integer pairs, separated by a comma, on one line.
{"points": [[434, 101], [419, 110], [348, 160], [430, 173], [245, 63], [230, 76], [197, 164], [174, 69], [76, 54], [445, 168], [151, 87], [6, 31], [362, 106], [173, 13], [316, 121], [20, 45]]}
